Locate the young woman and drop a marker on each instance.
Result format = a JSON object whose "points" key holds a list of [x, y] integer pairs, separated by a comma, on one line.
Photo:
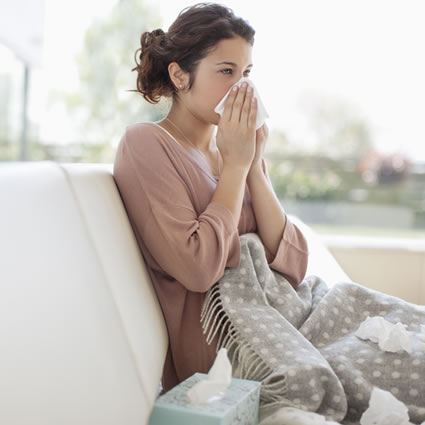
{"points": [[195, 181]]}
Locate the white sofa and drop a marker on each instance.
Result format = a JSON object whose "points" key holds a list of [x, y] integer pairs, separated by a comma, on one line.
{"points": [[83, 339]]}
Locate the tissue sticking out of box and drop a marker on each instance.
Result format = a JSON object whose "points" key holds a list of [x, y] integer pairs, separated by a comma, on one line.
{"points": [[215, 385], [385, 409], [390, 337]]}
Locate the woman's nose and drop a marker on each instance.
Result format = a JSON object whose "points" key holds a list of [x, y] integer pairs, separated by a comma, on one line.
{"points": [[236, 78]]}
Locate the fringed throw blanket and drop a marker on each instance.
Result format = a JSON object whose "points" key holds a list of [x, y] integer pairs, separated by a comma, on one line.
{"points": [[301, 345]]}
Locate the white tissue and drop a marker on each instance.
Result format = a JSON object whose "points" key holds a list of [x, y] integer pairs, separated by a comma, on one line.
{"points": [[390, 337], [215, 385], [261, 110], [385, 409]]}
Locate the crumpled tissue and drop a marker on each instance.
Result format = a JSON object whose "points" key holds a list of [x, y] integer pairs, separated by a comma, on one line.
{"points": [[294, 416], [261, 110], [385, 409], [390, 337], [214, 387]]}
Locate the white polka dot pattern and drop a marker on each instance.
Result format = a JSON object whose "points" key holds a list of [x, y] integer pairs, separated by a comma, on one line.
{"points": [[305, 339]]}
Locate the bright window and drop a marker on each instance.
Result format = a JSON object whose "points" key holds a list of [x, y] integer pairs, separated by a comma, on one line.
{"points": [[342, 81]]}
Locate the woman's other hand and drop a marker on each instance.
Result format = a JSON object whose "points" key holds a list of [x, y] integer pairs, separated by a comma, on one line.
{"points": [[236, 134], [260, 143]]}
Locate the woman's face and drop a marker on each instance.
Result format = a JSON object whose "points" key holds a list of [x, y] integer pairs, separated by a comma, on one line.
{"points": [[216, 73]]}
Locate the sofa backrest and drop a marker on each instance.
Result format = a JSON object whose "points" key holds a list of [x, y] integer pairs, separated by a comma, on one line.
{"points": [[83, 339]]}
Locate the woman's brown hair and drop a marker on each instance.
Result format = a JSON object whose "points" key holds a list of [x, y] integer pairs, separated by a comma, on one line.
{"points": [[190, 38]]}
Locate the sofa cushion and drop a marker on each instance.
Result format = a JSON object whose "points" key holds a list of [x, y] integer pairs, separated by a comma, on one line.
{"points": [[71, 303], [100, 204]]}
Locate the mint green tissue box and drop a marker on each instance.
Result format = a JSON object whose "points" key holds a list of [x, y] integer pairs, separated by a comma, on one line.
{"points": [[239, 405]]}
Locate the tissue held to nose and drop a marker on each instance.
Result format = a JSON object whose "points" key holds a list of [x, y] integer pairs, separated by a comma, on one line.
{"points": [[261, 110], [215, 385]]}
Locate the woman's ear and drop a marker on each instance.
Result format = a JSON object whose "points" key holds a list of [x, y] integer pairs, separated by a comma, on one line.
{"points": [[177, 75]]}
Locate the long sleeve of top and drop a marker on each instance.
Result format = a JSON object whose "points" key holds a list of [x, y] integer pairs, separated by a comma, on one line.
{"points": [[186, 240]]}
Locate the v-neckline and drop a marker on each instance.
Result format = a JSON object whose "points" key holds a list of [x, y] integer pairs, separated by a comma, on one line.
{"points": [[192, 157]]}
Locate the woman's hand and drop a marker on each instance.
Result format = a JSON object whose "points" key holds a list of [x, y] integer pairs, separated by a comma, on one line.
{"points": [[236, 135], [261, 138]]}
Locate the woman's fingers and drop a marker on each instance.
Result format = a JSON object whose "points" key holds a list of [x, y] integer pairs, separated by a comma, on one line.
{"points": [[246, 107], [236, 132], [253, 112], [238, 103], [228, 105]]}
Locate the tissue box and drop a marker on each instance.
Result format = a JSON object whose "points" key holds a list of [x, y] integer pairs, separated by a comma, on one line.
{"points": [[239, 405]]}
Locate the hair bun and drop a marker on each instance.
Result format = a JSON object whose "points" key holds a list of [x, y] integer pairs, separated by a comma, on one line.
{"points": [[157, 32], [150, 37]]}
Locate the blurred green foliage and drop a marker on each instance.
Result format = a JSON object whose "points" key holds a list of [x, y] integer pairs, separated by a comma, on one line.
{"points": [[294, 178]]}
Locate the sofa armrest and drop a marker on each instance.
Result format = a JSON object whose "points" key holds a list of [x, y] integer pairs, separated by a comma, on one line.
{"points": [[320, 261]]}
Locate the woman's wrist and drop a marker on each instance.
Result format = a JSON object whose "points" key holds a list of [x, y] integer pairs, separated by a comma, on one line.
{"points": [[230, 190], [255, 171], [236, 169]]}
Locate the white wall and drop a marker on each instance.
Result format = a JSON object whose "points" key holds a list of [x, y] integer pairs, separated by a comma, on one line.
{"points": [[393, 266]]}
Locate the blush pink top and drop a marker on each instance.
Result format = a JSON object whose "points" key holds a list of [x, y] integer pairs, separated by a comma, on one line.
{"points": [[186, 240]]}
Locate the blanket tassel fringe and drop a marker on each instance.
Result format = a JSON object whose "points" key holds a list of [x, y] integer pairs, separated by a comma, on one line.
{"points": [[250, 365]]}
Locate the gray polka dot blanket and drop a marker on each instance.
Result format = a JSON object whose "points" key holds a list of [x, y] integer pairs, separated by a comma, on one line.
{"points": [[301, 343]]}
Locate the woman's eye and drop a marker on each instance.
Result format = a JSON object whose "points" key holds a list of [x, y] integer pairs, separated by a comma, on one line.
{"points": [[229, 71]]}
